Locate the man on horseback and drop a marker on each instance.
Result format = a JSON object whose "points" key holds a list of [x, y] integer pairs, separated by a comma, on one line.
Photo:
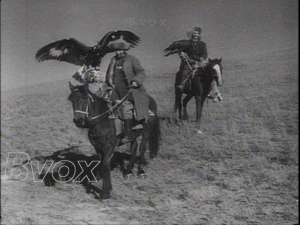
{"points": [[193, 59], [126, 76]]}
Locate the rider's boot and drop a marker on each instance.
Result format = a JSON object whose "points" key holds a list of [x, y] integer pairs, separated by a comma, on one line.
{"points": [[128, 130], [182, 84], [180, 87], [191, 74]]}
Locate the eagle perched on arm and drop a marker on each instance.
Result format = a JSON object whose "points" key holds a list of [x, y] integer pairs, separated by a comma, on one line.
{"points": [[74, 52], [183, 45], [177, 47]]}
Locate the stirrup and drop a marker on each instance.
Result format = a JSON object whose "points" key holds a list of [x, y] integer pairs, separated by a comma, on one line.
{"points": [[138, 127], [180, 87], [150, 113]]}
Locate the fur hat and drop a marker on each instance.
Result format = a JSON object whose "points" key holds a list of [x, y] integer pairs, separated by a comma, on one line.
{"points": [[120, 46], [190, 33]]}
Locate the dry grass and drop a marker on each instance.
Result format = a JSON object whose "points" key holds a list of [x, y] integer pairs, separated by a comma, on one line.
{"points": [[242, 170]]}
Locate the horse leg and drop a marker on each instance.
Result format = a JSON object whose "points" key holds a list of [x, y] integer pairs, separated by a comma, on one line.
{"points": [[185, 102], [199, 106], [89, 176], [142, 161], [106, 155], [106, 181], [177, 80], [143, 147], [129, 170], [178, 104]]}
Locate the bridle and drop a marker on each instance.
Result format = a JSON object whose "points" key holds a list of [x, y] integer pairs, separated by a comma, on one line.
{"points": [[86, 112]]}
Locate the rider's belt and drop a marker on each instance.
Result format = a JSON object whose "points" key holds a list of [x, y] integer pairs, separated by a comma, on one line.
{"points": [[119, 67]]}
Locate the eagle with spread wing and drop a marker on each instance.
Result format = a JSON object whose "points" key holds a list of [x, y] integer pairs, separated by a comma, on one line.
{"points": [[74, 52], [177, 47], [182, 45]]}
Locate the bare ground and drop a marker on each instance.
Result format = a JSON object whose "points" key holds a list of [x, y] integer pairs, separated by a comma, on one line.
{"points": [[243, 169]]}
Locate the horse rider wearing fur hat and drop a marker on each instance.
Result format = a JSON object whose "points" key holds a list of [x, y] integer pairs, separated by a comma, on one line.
{"points": [[195, 54], [126, 76]]}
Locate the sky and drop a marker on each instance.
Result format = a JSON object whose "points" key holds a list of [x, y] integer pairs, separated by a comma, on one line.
{"points": [[232, 29]]}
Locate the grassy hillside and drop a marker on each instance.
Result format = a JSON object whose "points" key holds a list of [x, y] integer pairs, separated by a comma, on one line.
{"points": [[243, 169]]}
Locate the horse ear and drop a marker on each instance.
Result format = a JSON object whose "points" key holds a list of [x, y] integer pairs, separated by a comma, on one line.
{"points": [[71, 86], [220, 60], [209, 60]]}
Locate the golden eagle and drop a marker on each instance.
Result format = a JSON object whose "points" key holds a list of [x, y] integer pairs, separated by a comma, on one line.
{"points": [[72, 51], [177, 47]]}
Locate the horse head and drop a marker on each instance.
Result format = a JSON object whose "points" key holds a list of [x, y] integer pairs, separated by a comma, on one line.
{"points": [[217, 67], [87, 106], [81, 102]]}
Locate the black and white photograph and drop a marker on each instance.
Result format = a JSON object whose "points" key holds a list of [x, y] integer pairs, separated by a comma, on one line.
{"points": [[149, 112]]}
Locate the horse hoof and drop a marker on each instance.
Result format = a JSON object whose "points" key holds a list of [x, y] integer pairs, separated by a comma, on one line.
{"points": [[141, 173], [89, 190], [128, 176], [105, 196], [199, 132], [142, 176]]}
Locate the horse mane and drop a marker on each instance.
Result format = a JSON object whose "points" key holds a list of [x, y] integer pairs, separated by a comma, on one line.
{"points": [[214, 61], [81, 89], [209, 68]]}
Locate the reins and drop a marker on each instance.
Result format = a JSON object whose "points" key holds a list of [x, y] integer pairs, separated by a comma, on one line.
{"points": [[111, 109]]}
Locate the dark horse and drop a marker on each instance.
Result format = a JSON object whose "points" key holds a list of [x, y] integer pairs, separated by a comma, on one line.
{"points": [[93, 112], [198, 86]]}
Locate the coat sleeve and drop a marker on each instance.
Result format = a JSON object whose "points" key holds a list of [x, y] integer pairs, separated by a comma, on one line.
{"points": [[138, 70], [110, 73]]}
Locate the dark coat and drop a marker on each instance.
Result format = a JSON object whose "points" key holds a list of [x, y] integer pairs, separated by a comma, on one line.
{"points": [[196, 50], [133, 72]]}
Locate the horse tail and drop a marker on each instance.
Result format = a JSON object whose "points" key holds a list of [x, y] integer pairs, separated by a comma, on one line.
{"points": [[154, 139]]}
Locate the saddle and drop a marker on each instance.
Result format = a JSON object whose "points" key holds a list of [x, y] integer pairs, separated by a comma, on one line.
{"points": [[124, 116]]}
